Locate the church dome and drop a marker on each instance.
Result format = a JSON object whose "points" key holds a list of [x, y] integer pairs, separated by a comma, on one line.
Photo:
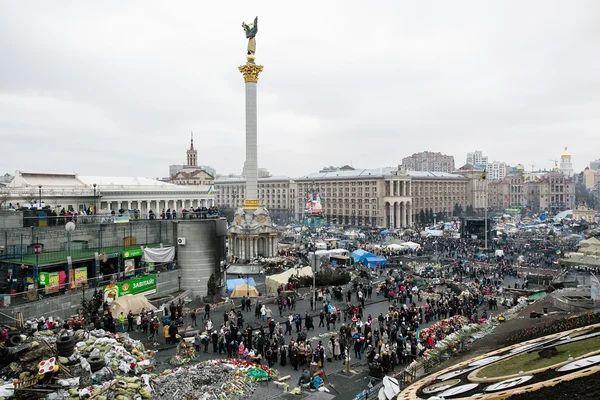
{"points": [[565, 153]]}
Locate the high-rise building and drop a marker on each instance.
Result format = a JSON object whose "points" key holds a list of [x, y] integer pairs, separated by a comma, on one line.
{"points": [[477, 159], [566, 167], [428, 161], [496, 170], [595, 165]]}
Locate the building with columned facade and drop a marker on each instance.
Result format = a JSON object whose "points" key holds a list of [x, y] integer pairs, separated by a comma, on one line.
{"points": [[106, 194]]}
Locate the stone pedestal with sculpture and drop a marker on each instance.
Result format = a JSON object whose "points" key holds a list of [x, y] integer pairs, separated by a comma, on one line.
{"points": [[252, 233]]}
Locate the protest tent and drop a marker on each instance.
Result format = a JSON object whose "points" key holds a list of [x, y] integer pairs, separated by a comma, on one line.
{"points": [[272, 282], [412, 245], [133, 303], [360, 254], [374, 261], [244, 290], [232, 283]]}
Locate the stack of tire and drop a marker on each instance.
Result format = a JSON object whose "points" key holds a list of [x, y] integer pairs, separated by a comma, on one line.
{"points": [[14, 339], [96, 363], [65, 345]]}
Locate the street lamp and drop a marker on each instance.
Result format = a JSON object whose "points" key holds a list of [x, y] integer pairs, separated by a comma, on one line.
{"points": [[95, 198], [40, 189], [69, 227]]}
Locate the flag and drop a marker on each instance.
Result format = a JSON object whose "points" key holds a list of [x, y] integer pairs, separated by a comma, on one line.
{"points": [[558, 252], [210, 189], [84, 209], [418, 333], [483, 174]]}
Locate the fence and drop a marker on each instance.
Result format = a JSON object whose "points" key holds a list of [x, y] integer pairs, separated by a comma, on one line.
{"points": [[53, 244]]}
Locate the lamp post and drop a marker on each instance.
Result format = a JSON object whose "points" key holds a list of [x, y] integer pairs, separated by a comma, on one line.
{"points": [[40, 190], [69, 227], [95, 199]]}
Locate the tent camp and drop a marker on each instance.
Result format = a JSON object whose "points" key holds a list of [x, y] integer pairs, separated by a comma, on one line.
{"points": [[133, 303], [232, 283], [272, 282], [244, 290]]}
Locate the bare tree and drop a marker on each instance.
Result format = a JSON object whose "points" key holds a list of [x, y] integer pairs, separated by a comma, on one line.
{"points": [[30, 197], [4, 196]]}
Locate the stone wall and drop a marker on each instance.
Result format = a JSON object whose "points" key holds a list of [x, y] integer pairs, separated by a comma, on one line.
{"points": [[202, 253], [65, 306]]}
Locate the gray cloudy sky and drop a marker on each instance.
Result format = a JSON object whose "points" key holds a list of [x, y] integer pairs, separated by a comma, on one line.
{"points": [[114, 88]]}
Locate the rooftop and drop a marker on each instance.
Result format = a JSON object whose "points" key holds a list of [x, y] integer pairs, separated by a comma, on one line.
{"points": [[378, 173], [238, 179]]}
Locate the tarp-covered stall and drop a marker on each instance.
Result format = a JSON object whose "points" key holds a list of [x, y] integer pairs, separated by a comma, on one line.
{"points": [[374, 261], [272, 282]]}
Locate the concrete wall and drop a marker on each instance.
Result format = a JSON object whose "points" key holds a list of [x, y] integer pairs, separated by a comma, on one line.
{"points": [[11, 219], [202, 253], [65, 306]]}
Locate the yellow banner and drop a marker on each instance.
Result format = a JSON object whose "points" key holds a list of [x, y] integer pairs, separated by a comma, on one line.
{"points": [[80, 276]]}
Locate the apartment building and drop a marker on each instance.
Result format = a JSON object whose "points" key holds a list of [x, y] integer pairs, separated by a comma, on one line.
{"points": [[428, 161]]}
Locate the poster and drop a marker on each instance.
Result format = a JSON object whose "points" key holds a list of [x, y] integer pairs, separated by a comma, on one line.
{"points": [[53, 284], [129, 266], [81, 276], [145, 285]]}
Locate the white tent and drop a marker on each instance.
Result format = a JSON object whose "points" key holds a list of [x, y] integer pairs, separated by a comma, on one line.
{"points": [[412, 245], [272, 282], [396, 246]]}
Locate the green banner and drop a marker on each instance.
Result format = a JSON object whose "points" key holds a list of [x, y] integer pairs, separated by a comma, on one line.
{"points": [[133, 253], [145, 285]]}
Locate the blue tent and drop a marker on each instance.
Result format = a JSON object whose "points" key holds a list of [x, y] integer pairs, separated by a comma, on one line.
{"points": [[359, 255], [374, 261], [232, 283]]}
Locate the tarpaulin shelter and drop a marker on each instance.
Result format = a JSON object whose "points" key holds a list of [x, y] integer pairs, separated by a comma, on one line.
{"points": [[159, 254], [135, 303], [412, 245], [374, 261], [232, 283], [360, 254], [272, 282], [244, 290]]}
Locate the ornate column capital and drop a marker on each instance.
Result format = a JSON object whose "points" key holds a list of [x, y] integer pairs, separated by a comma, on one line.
{"points": [[250, 72]]}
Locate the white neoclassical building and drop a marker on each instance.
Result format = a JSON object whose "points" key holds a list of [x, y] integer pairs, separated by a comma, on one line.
{"points": [[72, 191]]}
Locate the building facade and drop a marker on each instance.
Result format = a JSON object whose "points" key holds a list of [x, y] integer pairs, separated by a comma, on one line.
{"points": [[276, 193], [428, 161], [477, 159], [106, 194], [553, 192], [438, 192], [476, 186], [360, 197], [191, 174], [595, 165]]}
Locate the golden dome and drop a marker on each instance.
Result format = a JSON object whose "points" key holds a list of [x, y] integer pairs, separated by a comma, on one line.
{"points": [[566, 153]]}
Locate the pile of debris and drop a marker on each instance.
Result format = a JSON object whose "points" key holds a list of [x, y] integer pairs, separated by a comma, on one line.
{"points": [[214, 379], [75, 364]]}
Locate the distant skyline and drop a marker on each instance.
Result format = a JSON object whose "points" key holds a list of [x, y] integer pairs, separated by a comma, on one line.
{"points": [[116, 90]]}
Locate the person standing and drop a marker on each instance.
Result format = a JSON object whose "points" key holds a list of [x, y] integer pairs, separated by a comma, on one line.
{"points": [[121, 320], [193, 317], [207, 311], [129, 321]]}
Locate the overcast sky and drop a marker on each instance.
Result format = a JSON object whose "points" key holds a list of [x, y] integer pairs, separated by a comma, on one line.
{"points": [[114, 88]]}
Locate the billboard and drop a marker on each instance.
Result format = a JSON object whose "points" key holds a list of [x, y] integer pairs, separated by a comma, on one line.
{"points": [[595, 294], [145, 285], [81, 276]]}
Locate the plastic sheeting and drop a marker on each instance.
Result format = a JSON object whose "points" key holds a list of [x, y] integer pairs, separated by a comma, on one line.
{"points": [[159, 254]]}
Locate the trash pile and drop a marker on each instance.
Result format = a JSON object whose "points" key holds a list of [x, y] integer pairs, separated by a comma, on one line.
{"points": [[213, 379]]}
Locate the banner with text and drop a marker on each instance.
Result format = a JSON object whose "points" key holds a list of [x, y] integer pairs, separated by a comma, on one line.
{"points": [[145, 285]]}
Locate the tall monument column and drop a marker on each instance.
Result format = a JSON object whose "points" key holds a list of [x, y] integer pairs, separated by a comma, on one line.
{"points": [[251, 227], [250, 71]]}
